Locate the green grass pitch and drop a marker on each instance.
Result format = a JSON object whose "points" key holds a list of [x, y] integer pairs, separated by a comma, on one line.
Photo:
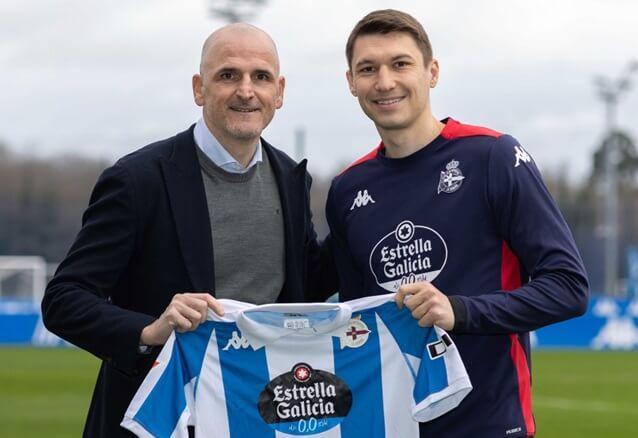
{"points": [[46, 393]]}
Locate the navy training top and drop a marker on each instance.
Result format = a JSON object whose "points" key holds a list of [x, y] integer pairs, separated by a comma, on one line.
{"points": [[470, 213]]}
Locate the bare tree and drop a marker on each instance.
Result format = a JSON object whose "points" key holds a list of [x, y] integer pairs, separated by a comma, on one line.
{"points": [[626, 157]]}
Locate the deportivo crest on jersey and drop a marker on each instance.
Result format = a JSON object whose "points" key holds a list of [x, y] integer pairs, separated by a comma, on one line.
{"points": [[451, 178], [305, 401], [521, 155], [362, 199], [355, 334], [408, 254]]}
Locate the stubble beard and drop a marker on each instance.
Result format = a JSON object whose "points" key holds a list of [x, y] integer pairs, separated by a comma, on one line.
{"points": [[241, 132]]}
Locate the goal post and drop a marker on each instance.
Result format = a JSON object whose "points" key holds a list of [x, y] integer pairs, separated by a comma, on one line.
{"points": [[22, 278]]}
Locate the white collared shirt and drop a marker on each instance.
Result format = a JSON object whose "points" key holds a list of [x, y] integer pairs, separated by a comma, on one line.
{"points": [[216, 152]]}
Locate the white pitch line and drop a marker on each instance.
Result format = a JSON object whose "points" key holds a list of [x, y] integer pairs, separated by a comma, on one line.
{"points": [[585, 405]]}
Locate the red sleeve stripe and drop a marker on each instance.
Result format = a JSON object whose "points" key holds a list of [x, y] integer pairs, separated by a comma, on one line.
{"points": [[510, 280], [454, 129], [510, 269], [367, 157]]}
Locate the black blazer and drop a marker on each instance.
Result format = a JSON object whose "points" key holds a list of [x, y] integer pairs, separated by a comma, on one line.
{"points": [[146, 236]]}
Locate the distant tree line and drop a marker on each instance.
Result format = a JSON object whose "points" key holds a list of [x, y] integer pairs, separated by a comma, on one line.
{"points": [[583, 206], [42, 200]]}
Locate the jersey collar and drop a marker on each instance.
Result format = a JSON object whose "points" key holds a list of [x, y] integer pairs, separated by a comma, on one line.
{"points": [[259, 333]]}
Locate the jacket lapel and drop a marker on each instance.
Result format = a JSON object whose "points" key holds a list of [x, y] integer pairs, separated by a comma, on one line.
{"points": [[291, 182], [187, 199]]}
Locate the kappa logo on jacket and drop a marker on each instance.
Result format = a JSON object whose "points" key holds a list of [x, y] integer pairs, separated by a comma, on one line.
{"points": [[362, 199]]}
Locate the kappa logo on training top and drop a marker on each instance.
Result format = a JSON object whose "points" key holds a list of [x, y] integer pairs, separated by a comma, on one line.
{"points": [[451, 178], [408, 254], [362, 199], [521, 155], [236, 342]]}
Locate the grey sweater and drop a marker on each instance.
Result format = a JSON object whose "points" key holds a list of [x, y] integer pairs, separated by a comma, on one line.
{"points": [[248, 231]]}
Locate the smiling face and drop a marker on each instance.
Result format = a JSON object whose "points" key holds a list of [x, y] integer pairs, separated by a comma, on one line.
{"points": [[389, 77], [238, 86]]}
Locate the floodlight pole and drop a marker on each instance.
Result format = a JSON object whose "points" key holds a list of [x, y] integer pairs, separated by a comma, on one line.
{"points": [[300, 143], [610, 92]]}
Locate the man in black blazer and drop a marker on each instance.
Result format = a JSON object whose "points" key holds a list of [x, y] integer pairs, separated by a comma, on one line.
{"points": [[144, 262]]}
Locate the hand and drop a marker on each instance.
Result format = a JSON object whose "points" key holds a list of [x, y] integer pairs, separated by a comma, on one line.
{"points": [[428, 304], [184, 313]]}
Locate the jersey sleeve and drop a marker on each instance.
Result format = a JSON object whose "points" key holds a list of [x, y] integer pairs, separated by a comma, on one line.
{"points": [[164, 404], [537, 245], [440, 378]]}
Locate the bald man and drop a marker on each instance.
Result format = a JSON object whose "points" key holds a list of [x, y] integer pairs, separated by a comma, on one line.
{"points": [[213, 212]]}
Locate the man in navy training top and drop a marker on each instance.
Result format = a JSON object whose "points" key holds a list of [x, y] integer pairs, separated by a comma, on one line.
{"points": [[455, 218]]}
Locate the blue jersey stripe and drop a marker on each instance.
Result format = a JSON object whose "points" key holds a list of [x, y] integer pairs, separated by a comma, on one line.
{"points": [[244, 374], [432, 375], [405, 331], [366, 417], [413, 339], [163, 407]]}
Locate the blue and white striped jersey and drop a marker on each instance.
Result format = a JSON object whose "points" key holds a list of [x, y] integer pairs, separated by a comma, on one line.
{"points": [[362, 368]]}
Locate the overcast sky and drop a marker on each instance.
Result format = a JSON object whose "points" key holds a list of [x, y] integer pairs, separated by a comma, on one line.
{"points": [[105, 78]]}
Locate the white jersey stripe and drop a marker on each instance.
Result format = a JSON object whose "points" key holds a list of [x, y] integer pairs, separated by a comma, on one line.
{"points": [[211, 398], [395, 372]]}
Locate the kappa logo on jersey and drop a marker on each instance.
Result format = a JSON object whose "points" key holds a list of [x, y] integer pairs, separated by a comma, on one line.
{"points": [[355, 335], [362, 199], [408, 254], [236, 341], [305, 401], [521, 155], [451, 179]]}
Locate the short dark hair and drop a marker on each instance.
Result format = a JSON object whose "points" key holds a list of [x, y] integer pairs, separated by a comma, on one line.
{"points": [[384, 21]]}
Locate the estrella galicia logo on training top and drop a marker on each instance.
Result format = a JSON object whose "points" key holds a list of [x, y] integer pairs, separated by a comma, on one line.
{"points": [[408, 254], [305, 401]]}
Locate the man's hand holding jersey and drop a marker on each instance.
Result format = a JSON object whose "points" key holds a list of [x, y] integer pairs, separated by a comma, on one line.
{"points": [[428, 305], [185, 313]]}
